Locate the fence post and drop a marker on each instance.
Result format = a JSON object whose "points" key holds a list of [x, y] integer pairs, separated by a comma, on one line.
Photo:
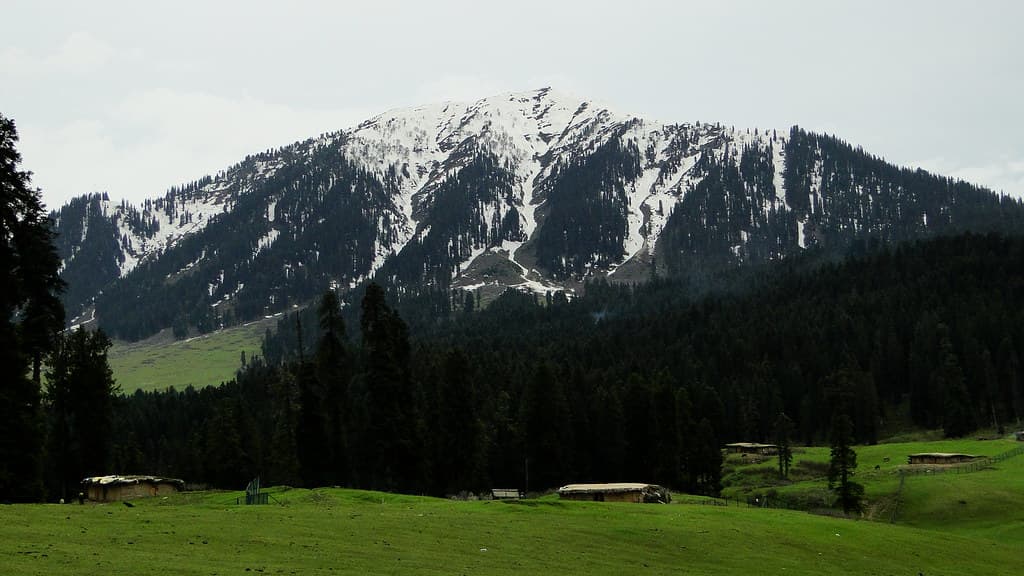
{"points": [[899, 495]]}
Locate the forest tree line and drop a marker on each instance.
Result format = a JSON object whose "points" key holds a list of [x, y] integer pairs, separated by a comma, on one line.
{"points": [[626, 383], [633, 383]]}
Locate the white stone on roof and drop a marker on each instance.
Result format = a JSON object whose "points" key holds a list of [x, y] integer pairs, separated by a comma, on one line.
{"points": [[606, 488], [115, 479]]}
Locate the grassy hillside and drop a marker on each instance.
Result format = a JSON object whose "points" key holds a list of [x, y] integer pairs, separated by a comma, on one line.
{"points": [[206, 360], [351, 532], [988, 502]]}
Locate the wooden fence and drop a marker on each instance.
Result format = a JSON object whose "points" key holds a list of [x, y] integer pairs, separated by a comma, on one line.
{"points": [[966, 468]]}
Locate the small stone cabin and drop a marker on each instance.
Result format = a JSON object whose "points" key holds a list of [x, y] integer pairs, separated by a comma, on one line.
{"points": [[752, 448], [1019, 435], [618, 492], [114, 488], [939, 458]]}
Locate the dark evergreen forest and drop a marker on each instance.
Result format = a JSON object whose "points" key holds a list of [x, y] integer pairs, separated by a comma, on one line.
{"points": [[860, 299], [627, 383]]}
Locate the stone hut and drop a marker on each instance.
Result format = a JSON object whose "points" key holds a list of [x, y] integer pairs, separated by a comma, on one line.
{"points": [[752, 448], [939, 458], [114, 488], [617, 492]]}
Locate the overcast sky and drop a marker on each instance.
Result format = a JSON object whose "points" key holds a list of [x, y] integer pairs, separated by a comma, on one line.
{"points": [[133, 97]]}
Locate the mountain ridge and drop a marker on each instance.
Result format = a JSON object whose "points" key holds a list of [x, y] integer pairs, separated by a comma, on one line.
{"points": [[535, 190]]}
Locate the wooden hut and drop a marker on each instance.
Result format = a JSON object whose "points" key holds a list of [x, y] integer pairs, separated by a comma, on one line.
{"points": [[114, 488], [619, 492], [939, 458], [1019, 435], [752, 448]]}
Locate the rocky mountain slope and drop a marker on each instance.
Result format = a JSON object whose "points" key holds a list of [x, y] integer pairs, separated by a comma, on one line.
{"points": [[536, 191]]}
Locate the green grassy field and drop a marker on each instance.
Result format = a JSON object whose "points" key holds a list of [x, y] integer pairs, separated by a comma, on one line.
{"points": [[351, 532], [201, 361], [946, 523], [988, 502]]}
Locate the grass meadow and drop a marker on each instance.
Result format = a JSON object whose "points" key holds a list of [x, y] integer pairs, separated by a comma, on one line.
{"points": [[945, 523], [205, 360], [336, 531], [987, 503]]}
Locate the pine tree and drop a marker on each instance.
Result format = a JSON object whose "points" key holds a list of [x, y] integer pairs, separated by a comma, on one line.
{"points": [[842, 463], [283, 464], [1009, 378], [707, 460], [224, 454], [30, 316], [948, 380], [391, 442], [608, 445], [459, 433], [333, 371], [783, 435], [547, 436], [80, 396], [312, 448]]}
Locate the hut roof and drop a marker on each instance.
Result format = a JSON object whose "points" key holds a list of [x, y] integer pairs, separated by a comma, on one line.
{"points": [[116, 480], [605, 488]]}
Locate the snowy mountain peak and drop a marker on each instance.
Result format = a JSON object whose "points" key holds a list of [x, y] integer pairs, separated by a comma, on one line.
{"points": [[534, 190]]}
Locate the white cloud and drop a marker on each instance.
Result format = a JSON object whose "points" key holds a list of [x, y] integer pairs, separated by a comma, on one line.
{"points": [[456, 88], [173, 137], [80, 53], [1004, 174], [14, 61]]}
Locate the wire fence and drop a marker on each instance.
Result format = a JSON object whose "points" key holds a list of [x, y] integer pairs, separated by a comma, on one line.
{"points": [[896, 500], [1009, 454], [964, 468]]}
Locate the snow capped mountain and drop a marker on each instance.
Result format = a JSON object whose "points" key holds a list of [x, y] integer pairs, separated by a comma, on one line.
{"points": [[536, 190]]}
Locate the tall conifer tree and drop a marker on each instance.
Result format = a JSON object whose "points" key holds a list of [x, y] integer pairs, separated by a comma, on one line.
{"points": [[30, 317]]}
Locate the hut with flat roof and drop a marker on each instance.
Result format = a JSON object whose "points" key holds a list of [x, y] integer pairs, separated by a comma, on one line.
{"points": [[114, 488], [617, 492], [752, 448], [939, 458]]}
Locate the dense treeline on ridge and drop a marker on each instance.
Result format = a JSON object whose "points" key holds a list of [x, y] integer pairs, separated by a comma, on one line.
{"points": [[625, 383]]}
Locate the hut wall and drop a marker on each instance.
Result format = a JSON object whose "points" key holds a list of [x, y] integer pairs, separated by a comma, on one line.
{"points": [[164, 488], [939, 459], [115, 492], [631, 497]]}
